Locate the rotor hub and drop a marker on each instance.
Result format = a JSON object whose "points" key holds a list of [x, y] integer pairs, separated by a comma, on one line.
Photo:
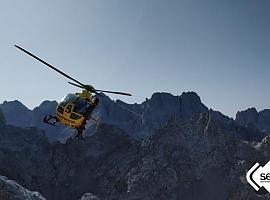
{"points": [[89, 88]]}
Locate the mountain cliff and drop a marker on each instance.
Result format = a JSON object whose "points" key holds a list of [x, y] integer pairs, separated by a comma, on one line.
{"points": [[153, 114], [195, 159], [179, 150], [16, 113], [251, 118], [149, 116], [10, 190]]}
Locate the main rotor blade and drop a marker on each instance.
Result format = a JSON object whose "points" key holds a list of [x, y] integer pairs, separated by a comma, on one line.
{"points": [[76, 85], [49, 65], [121, 93]]}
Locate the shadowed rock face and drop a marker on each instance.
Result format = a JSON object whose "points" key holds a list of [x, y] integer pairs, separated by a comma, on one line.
{"points": [[2, 117], [255, 120], [195, 159], [61, 171], [188, 152], [155, 113], [10, 190], [16, 113], [191, 160]]}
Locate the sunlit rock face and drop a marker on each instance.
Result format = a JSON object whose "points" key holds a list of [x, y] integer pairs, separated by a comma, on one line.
{"points": [[89, 196], [10, 190]]}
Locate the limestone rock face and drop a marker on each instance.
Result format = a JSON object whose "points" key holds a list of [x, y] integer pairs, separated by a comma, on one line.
{"points": [[19, 115], [150, 115], [62, 171], [190, 152], [253, 119], [16, 113], [145, 118], [248, 116], [178, 161], [138, 120], [54, 133], [89, 196], [195, 159], [10, 190]]}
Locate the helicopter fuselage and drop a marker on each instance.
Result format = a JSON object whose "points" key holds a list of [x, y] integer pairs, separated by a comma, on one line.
{"points": [[74, 111]]}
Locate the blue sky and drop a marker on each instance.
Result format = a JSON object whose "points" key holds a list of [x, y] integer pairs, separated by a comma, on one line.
{"points": [[219, 49]]}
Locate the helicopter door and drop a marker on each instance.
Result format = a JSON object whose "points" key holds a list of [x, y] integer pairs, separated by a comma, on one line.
{"points": [[81, 105]]}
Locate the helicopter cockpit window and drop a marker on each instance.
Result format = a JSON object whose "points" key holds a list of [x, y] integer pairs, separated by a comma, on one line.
{"points": [[81, 106], [70, 98]]}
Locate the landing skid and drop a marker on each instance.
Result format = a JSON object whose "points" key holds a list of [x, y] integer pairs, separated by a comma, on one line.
{"points": [[79, 134], [80, 130], [52, 120]]}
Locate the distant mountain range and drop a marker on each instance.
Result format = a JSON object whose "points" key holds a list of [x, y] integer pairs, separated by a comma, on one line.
{"points": [[180, 149], [156, 112]]}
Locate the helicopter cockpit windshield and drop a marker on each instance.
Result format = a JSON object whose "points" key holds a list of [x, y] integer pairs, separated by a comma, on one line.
{"points": [[81, 105], [70, 98]]}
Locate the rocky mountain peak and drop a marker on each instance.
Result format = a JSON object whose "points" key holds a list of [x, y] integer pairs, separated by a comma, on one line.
{"points": [[247, 116], [159, 97], [13, 105], [191, 97], [191, 103], [254, 119], [164, 98], [16, 113], [264, 120], [46, 105], [150, 115]]}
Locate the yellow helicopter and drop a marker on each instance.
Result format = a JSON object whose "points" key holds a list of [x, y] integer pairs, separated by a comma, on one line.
{"points": [[74, 109]]}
